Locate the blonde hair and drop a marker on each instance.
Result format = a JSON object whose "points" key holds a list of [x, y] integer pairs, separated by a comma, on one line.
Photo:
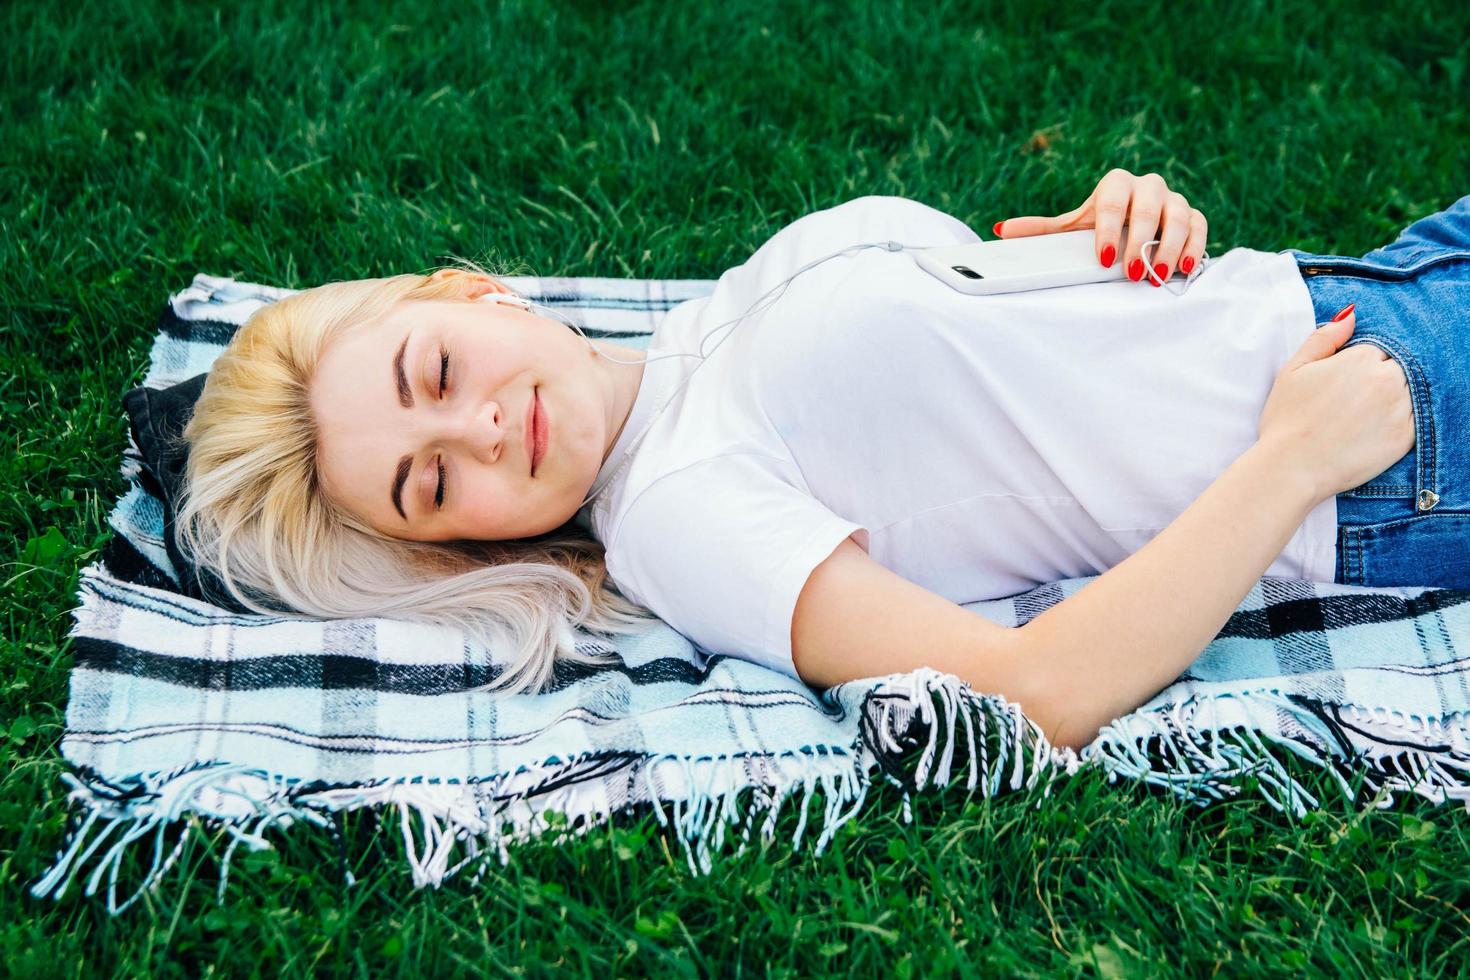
{"points": [[252, 511]]}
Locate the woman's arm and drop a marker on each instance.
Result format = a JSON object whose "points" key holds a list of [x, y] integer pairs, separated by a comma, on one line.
{"points": [[1094, 656], [1109, 648], [1333, 420]]}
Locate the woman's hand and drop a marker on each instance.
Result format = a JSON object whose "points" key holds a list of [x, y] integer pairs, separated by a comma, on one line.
{"points": [[1342, 415], [1151, 211]]}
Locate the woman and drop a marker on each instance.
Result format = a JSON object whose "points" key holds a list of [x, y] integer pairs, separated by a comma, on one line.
{"points": [[817, 481]]}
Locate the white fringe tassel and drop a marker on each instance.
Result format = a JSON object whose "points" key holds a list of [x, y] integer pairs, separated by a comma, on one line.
{"points": [[1208, 748], [1201, 756]]}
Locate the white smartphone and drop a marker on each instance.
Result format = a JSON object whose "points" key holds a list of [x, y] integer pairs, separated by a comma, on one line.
{"points": [[1009, 265]]}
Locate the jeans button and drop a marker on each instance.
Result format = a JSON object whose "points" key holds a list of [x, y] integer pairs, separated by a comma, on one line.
{"points": [[1427, 499]]}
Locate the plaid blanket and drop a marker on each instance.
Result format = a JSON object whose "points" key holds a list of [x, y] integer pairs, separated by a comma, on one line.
{"points": [[179, 710]]}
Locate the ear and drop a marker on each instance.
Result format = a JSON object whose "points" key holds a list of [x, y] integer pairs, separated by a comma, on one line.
{"points": [[477, 285]]}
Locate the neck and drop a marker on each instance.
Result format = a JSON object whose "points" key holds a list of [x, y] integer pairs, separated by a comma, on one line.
{"points": [[626, 379]]}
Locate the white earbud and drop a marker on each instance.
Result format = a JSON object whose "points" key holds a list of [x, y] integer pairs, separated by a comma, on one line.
{"points": [[510, 298]]}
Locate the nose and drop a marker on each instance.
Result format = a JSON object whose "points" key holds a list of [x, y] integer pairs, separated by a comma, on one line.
{"points": [[480, 430]]}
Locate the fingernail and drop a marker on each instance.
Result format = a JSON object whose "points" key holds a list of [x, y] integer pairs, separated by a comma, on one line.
{"points": [[1342, 314], [1162, 271], [1108, 255], [996, 229], [1187, 265], [1135, 269]]}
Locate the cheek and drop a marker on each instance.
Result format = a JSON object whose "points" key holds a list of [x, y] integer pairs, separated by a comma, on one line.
{"points": [[490, 496]]}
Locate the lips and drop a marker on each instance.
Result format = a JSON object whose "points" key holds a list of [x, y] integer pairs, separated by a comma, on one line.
{"points": [[529, 430], [538, 431], [543, 432]]}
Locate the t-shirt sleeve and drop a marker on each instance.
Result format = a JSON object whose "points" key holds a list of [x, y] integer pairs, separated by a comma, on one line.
{"points": [[720, 551], [873, 218]]}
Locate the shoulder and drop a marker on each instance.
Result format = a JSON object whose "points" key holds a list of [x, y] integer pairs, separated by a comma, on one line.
{"points": [[734, 516], [888, 215], [720, 550], [704, 496], [867, 220]]}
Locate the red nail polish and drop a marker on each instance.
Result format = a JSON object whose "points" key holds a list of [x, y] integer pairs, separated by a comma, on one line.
{"points": [[996, 229], [1135, 269], [1162, 271], [1187, 265], [1342, 315], [1108, 254]]}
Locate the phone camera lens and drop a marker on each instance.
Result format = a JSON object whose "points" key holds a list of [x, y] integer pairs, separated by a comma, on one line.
{"points": [[967, 272]]}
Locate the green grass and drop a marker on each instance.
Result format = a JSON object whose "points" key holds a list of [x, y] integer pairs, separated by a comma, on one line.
{"points": [[298, 143]]}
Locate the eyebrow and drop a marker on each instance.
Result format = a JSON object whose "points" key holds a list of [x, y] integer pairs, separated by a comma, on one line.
{"points": [[405, 398], [405, 395], [404, 465]]}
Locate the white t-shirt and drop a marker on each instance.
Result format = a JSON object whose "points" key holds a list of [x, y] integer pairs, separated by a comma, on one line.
{"points": [[978, 446]]}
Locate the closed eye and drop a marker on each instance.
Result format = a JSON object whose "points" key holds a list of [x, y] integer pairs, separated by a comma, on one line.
{"points": [[439, 493], [443, 370]]}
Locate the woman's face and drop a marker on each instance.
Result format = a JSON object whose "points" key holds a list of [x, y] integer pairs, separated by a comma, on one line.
{"points": [[428, 463]]}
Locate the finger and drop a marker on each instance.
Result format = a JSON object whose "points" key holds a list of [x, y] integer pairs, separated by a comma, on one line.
{"points": [[1338, 332], [1194, 246], [1109, 209], [1033, 224], [1143, 220], [1323, 342], [1171, 240]]}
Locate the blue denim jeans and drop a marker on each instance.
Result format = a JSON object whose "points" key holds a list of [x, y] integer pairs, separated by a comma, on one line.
{"points": [[1410, 525]]}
